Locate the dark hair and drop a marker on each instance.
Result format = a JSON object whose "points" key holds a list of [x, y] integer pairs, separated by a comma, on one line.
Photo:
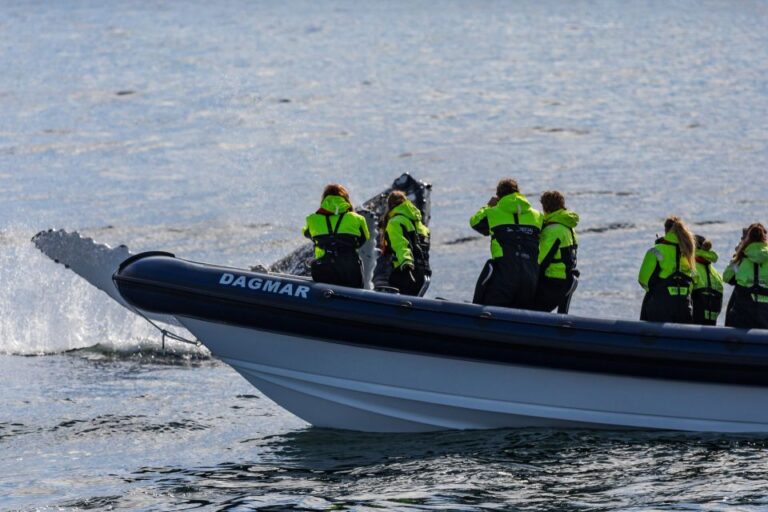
{"points": [[552, 200], [755, 233], [505, 187], [334, 189], [395, 198], [684, 239], [702, 243]]}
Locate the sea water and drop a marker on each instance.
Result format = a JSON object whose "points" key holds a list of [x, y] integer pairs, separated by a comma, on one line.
{"points": [[209, 129]]}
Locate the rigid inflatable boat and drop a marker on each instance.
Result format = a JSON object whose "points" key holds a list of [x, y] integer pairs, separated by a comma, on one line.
{"points": [[371, 361]]}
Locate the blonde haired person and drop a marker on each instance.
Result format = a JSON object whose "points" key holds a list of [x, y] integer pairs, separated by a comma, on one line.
{"points": [[668, 274]]}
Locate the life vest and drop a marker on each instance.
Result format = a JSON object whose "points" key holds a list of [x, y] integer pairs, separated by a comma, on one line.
{"points": [[568, 254], [757, 292], [339, 262], [334, 243], [335, 228], [517, 240], [677, 284], [406, 238], [513, 225], [709, 297], [418, 242]]}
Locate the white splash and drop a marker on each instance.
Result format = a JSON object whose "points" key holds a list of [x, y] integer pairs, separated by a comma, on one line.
{"points": [[46, 309]]}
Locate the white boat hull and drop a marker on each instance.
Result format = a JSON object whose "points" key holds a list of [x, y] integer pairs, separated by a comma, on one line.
{"points": [[337, 385]]}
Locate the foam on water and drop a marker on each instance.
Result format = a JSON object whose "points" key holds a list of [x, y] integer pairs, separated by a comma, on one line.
{"points": [[47, 309], [209, 129]]}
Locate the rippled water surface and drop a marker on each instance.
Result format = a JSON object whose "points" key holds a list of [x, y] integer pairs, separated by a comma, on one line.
{"points": [[209, 129]]}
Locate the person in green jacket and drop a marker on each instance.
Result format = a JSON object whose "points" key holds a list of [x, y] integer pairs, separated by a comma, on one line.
{"points": [[337, 232], [707, 295], [668, 274], [404, 247], [510, 277], [558, 245], [748, 272]]}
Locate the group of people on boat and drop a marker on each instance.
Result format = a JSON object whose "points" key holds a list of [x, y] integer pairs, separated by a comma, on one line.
{"points": [[338, 232], [533, 262], [683, 286]]}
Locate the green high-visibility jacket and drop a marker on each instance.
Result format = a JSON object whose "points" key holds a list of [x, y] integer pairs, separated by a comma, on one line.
{"points": [[325, 229], [511, 210], [405, 230], [708, 276], [660, 261], [743, 272], [557, 237]]}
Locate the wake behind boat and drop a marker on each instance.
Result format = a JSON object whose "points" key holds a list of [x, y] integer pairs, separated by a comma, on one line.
{"points": [[362, 360]]}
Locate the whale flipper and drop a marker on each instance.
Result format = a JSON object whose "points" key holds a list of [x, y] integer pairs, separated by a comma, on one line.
{"points": [[93, 261]]}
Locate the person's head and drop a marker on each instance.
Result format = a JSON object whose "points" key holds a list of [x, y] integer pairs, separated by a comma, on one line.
{"points": [[754, 233], [395, 199], [506, 187], [334, 189], [702, 243], [552, 200], [684, 238]]}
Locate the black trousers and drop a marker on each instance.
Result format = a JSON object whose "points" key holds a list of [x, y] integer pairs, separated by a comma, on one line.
{"points": [[407, 282], [382, 271], [554, 293], [660, 306], [704, 302], [343, 269], [508, 282], [744, 312], [699, 318]]}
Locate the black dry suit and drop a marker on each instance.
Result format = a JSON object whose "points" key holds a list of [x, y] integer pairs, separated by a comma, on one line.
{"points": [[404, 261], [749, 306], [509, 279], [668, 281], [337, 233], [558, 248], [707, 293]]}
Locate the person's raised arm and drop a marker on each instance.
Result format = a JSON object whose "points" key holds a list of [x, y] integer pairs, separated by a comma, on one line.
{"points": [[479, 221]]}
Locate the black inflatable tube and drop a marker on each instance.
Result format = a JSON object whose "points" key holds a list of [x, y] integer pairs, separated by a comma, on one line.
{"points": [[160, 283]]}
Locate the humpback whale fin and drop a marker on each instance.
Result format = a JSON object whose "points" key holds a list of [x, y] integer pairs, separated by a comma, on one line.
{"points": [[92, 261]]}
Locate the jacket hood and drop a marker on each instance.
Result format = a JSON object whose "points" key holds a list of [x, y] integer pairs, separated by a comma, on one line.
{"points": [[514, 203], [407, 209], [669, 236], [567, 218], [334, 205], [706, 256], [757, 252]]}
